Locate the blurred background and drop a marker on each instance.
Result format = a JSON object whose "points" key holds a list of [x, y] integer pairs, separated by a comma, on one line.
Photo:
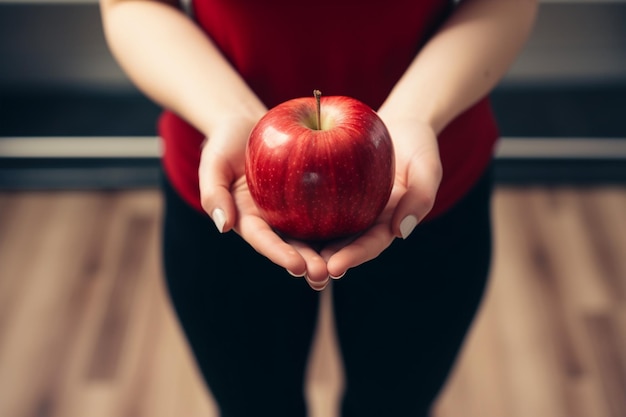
{"points": [[85, 328], [57, 79]]}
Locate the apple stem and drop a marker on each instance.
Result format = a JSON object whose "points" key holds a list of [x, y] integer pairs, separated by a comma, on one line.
{"points": [[318, 116]]}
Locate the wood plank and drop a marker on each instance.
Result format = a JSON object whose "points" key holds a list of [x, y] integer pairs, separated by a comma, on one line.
{"points": [[603, 212], [609, 361], [86, 328], [325, 377], [525, 314], [43, 322]]}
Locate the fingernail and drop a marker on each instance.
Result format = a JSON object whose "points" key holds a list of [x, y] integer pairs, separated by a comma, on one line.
{"points": [[339, 276], [296, 275], [407, 225], [219, 218], [318, 285]]}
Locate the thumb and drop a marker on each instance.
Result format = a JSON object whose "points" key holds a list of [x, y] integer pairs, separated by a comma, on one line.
{"points": [[216, 177], [417, 201]]}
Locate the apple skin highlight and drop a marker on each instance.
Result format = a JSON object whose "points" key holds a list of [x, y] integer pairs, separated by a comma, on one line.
{"points": [[320, 184]]}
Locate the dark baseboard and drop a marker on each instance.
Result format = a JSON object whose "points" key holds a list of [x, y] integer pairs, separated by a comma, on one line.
{"points": [[525, 113], [104, 174], [79, 174]]}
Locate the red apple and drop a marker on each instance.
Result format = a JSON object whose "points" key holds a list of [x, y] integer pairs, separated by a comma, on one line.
{"points": [[320, 168]]}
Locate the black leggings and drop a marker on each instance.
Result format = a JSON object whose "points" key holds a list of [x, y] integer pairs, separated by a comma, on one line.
{"points": [[401, 318]]}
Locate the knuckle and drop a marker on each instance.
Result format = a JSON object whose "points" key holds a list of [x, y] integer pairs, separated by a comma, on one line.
{"points": [[207, 201], [425, 201]]}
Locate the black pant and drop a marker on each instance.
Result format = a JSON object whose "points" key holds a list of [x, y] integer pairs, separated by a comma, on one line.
{"points": [[401, 318]]}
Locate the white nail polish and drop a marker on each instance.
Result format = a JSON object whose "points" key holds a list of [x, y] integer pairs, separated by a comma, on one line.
{"points": [[318, 286], [337, 277], [407, 225], [296, 275], [219, 218]]}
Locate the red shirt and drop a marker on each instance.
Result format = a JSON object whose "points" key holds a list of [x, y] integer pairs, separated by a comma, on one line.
{"points": [[285, 49]]}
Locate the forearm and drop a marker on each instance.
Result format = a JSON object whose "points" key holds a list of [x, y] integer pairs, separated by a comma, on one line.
{"points": [[174, 63], [463, 61]]}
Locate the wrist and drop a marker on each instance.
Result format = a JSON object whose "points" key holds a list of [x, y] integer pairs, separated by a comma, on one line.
{"points": [[396, 111], [242, 116], [392, 118]]}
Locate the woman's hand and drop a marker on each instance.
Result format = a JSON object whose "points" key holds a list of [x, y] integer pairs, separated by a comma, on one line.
{"points": [[482, 37], [168, 57], [226, 198], [418, 174]]}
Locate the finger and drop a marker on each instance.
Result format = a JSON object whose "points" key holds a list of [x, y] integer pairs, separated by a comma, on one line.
{"points": [[334, 246], [316, 272], [331, 249], [216, 177], [265, 241], [363, 249], [418, 200]]}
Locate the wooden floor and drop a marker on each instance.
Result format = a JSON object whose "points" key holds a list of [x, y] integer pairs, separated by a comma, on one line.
{"points": [[85, 330]]}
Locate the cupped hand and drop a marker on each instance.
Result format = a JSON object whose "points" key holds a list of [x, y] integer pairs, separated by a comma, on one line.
{"points": [[417, 179], [225, 197]]}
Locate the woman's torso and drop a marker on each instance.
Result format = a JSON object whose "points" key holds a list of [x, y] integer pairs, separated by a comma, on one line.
{"points": [[285, 49]]}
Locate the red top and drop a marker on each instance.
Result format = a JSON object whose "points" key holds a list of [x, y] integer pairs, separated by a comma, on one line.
{"points": [[285, 49]]}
